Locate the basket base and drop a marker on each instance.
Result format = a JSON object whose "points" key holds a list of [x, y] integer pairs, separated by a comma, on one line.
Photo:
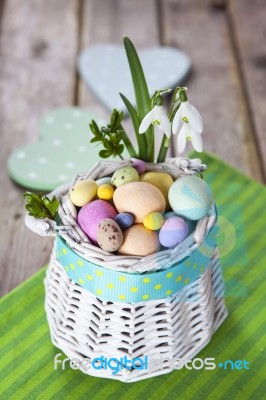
{"points": [[164, 331]]}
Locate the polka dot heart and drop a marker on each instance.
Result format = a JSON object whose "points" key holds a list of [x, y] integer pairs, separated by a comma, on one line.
{"points": [[64, 150], [105, 70]]}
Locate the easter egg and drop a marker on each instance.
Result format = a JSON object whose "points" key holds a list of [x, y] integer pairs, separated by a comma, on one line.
{"points": [[173, 232], [102, 181], [105, 192], [139, 165], [161, 180], [83, 192], [169, 214], [139, 199], [125, 175], [139, 241], [109, 236], [191, 224], [90, 216], [190, 197], [124, 220], [153, 221]]}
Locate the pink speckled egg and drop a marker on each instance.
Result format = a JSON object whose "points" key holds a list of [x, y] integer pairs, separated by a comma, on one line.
{"points": [[90, 216]]}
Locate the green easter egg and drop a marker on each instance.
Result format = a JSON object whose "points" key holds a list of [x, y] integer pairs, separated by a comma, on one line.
{"points": [[125, 175]]}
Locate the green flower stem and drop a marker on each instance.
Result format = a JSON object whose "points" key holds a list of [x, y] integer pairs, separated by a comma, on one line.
{"points": [[128, 144], [141, 139], [163, 149], [150, 144]]}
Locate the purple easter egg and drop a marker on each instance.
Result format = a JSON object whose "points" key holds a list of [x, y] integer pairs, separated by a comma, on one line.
{"points": [[173, 232], [90, 216], [139, 165]]}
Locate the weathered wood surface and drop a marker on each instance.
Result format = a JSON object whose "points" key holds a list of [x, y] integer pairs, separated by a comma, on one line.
{"points": [[38, 49], [39, 43]]}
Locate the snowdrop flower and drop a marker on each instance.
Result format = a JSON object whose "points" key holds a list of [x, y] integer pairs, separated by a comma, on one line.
{"points": [[156, 116], [188, 133], [187, 113]]}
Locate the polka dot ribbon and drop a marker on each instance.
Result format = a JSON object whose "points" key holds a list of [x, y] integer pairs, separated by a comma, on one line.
{"points": [[118, 286]]}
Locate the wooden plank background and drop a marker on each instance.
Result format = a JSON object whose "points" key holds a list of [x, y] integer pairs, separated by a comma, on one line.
{"points": [[39, 44]]}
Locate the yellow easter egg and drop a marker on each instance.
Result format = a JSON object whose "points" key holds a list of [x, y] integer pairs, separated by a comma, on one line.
{"points": [[105, 192], [153, 221], [161, 180], [83, 192]]}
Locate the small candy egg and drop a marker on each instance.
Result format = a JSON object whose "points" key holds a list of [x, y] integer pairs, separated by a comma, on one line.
{"points": [[102, 181], [169, 214], [190, 197], [109, 236], [173, 232], [125, 175], [83, 192], [140, 165], [105, 192], [153, 221], [191, 224], [90, 216], [124, 220]]}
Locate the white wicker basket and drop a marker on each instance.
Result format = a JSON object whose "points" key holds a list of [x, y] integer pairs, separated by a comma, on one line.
{"points": [[86, 326]]}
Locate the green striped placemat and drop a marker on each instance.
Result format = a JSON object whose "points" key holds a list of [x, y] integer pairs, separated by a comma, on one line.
{"points": [[26, 359]]}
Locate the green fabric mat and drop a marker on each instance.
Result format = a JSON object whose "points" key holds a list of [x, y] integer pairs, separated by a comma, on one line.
{"points": [[26, 359]]}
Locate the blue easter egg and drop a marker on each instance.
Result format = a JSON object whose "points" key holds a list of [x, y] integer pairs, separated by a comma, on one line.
{"points": [[169, 214], [190, 197], [124, 220]]}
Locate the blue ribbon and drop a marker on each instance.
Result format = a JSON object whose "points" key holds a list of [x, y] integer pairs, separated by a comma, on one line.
{"points": [[126, 287]]}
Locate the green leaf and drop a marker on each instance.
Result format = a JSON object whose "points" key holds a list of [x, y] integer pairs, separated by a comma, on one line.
{"points": [[136, 123], [41, 207], [143, 100], [105, 153]]}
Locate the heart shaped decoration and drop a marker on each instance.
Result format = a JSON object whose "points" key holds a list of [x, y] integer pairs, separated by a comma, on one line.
{"points": [[105, 70], [63, 151]]}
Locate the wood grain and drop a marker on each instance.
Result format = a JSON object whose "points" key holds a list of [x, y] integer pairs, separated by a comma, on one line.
{"points": [[248, 27], [37, 72], [215, 87], [107, 21]]}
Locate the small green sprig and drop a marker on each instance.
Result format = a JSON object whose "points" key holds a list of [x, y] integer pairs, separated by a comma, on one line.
{"points": [[110, 136], [40, 206]]}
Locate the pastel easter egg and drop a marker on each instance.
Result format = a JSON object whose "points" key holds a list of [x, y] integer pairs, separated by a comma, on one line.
{"points": [[173, 232], [191, 224], [83, 192], [139, 241], [169, 214], [109, 236], [125, 175], [124, 220], [105, 192], [190, 197], [153, 221], [161, 180], [139, 165], [90, 216], [139, 199], [102, 181]]}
